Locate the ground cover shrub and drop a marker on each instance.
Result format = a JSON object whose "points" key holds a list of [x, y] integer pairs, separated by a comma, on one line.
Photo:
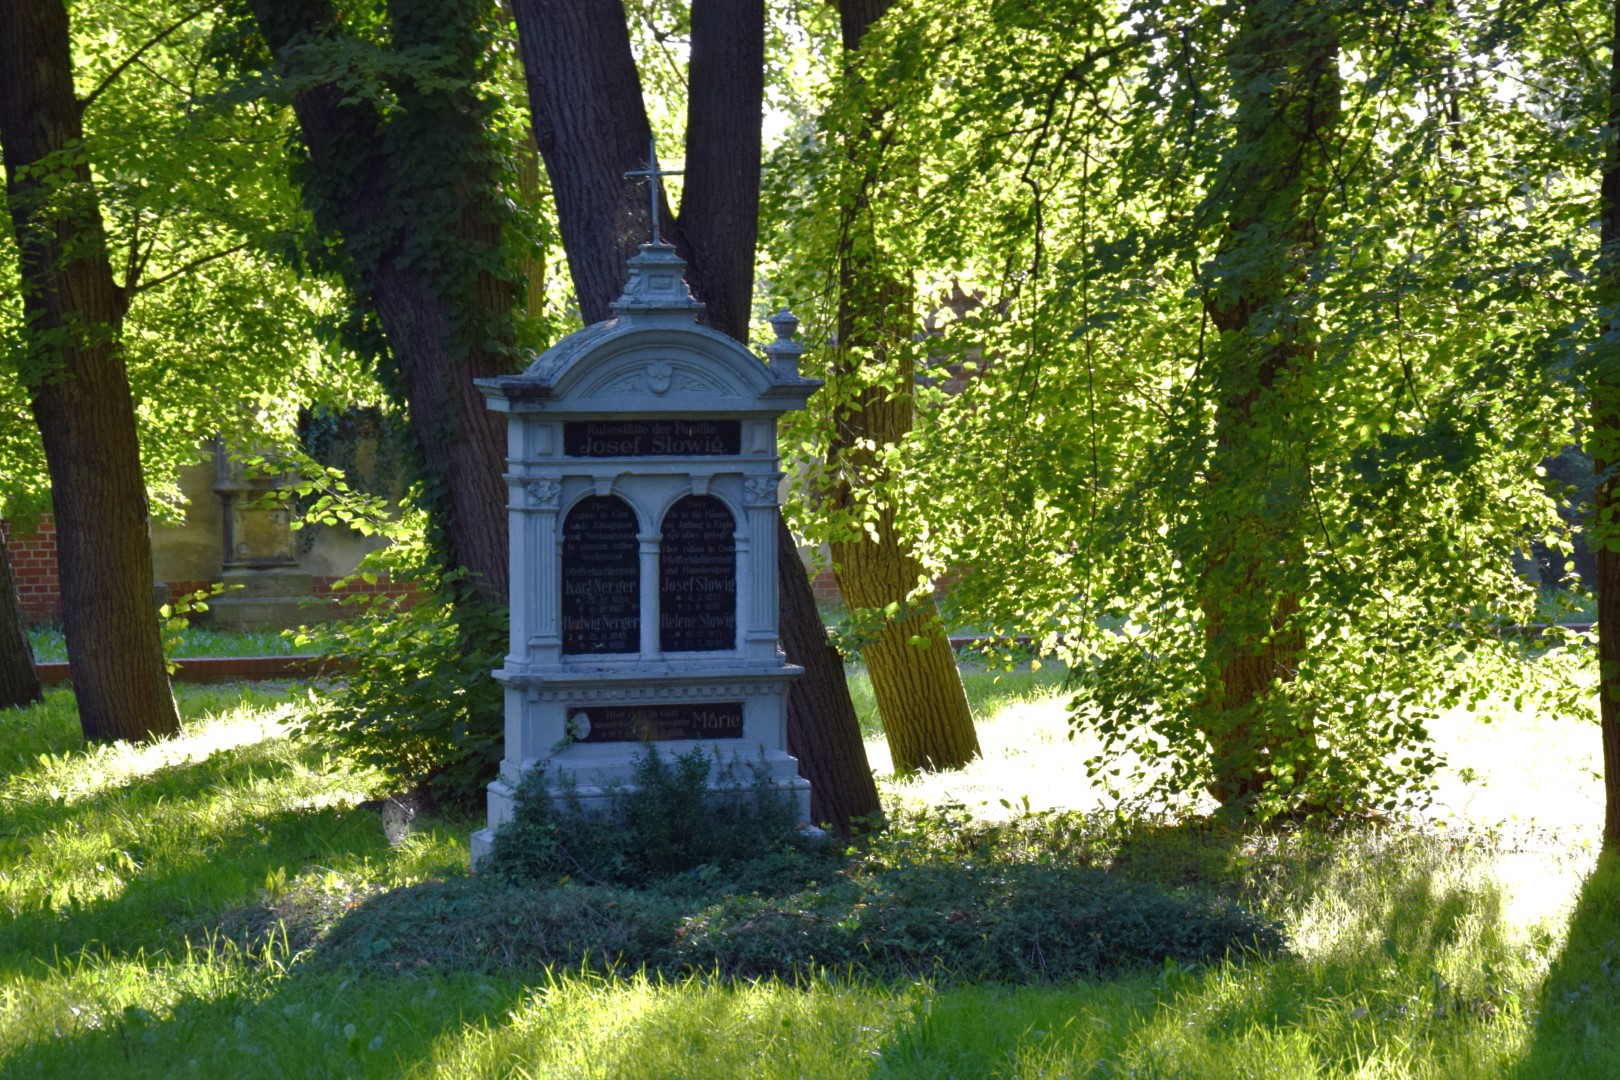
{"points": [[744, 899], [669, 819]]}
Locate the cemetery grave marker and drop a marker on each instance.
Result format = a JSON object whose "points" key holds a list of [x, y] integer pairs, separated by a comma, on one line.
{"points": [[643, 476]]}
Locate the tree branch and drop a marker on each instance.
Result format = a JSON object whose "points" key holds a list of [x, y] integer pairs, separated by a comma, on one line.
{"points": [[85, 103], [188, 267]]}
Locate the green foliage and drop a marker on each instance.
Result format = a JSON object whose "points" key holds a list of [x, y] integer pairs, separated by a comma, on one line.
{"points": [[220, 338], [1060, 182], [424, 188], [976, 914], [419, 702], [174, 619], [672, 819], [933, 896]]}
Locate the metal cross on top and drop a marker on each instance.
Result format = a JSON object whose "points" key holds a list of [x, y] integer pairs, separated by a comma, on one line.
{"points": [[655, 186]]}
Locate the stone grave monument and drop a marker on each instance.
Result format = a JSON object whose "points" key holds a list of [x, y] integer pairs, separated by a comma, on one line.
{"points": [[643, 501]]}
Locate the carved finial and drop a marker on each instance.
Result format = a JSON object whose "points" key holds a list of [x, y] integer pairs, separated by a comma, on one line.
{"points": [[784, 352]]}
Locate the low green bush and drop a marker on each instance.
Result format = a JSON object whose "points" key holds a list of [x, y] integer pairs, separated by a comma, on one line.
{"points": [[418, 701], [682, 879], [668, 820], [983, 923]]}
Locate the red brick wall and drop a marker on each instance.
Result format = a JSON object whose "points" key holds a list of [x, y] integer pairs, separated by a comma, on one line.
{"points": [[825, 586], [33, 564], [323, 588]]}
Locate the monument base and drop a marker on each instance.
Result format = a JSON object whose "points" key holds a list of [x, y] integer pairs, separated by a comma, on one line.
{"points": [[274, 598]]}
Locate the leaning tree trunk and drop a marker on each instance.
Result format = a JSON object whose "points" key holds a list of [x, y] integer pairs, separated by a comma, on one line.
{"points": [[78, 387], [413, 199], [1604, 446], [591, 124], [925, 712], [19, 679], [1285, 76], [823, 731]]}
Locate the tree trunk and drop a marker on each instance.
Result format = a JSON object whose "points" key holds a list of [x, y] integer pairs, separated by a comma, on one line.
{"points": [[591, 124], [19, 680], [78, 387], [823, 731], [1604, 446], [1285, 76], [413, 200], [533, 300], [925, 712]]}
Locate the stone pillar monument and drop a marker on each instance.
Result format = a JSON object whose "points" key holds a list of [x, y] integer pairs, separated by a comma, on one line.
{"points": [[643, 479]]}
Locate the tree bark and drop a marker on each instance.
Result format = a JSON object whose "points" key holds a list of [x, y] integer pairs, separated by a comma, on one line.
{"points": [[421, 232], [78, 386], [19, 679], [591, 125], [532, 302], [925, 712], [1284, 70], [823, 731], [1604, 446]]}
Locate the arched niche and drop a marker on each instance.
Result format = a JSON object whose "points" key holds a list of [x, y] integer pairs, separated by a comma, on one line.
{"points": [[697, 577], [601, 577]]}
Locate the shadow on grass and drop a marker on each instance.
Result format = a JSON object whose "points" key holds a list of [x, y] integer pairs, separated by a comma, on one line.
{"points": [[145, 863], [365, 1004], [378, 996], [1575, 1034], [1371, 1000]]}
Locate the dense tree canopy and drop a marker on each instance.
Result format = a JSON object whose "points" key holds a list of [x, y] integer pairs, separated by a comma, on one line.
{"points": [[1216, 347], [1133, 208], [221, 337]]}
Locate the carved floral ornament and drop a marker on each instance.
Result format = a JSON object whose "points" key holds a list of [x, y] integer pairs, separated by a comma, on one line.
{"points": [[659, 377], [542, 493], [761, 490]]}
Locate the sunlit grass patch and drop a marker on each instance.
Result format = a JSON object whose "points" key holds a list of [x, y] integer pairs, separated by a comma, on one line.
{"points": [[169, 909], [584, 1025], [1029, 751], [990, 693]]}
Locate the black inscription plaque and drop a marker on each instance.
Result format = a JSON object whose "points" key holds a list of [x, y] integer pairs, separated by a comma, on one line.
{"points": [[652, 723], [601, 578], [697, 577], [652, 438]]}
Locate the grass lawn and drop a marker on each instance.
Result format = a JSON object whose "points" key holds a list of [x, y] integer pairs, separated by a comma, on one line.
{"points": [[164, 912], [203, 640]]}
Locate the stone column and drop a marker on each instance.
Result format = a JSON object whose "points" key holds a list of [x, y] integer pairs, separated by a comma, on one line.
{"points": [[741, 545], [651, 615], [536, 635], [759, 496]]}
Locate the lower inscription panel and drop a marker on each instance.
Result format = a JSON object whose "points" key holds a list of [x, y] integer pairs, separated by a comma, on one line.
{"points": [[655, 723]]}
